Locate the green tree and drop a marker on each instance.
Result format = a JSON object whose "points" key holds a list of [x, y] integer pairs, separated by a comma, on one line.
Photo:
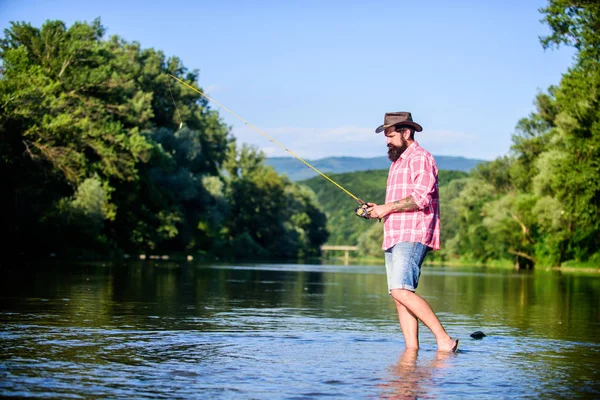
{"points": [[542, 202], [269, 214], [569, 170], [58, 125], [101, 149], [574, 23], [473, 240]]}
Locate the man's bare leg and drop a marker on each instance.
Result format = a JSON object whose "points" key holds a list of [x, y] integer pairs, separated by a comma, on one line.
{"points": [[422, 310], [410, 326]]}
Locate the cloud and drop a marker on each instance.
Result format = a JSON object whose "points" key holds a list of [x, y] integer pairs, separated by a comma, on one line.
{"points": [[310, 143], [348, 140]]}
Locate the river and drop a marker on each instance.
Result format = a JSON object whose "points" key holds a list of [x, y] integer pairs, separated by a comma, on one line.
{"points": [[162, 329]]}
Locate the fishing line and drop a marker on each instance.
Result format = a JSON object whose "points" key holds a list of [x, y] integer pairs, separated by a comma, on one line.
{"points": [[361, 202]]}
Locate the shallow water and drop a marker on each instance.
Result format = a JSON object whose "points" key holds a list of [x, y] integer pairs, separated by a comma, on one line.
{"points": [[168, 330]]}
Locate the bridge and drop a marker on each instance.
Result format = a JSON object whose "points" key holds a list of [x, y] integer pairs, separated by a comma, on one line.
{"points": [[346, 249]]}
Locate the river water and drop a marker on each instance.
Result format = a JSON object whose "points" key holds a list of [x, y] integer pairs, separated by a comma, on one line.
{"points": [[291, 331]]}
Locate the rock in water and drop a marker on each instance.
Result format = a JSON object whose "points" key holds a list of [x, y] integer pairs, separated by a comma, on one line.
{"points": [[477, 335]]}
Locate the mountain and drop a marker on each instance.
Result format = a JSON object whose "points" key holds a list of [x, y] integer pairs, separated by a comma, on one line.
{"points": [[296, 170]]}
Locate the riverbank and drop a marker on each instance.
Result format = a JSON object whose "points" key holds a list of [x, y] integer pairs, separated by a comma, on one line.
{"points": [[568, 266], [205, 258]]}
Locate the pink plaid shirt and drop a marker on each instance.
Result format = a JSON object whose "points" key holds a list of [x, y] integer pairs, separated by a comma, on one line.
{"points": [[414, 174]]}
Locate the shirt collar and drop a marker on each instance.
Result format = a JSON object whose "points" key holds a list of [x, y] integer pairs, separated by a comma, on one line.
{"points": [[411, 149]]}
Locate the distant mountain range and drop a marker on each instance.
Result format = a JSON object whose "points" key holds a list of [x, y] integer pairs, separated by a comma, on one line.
{"points": [[297, 171]]}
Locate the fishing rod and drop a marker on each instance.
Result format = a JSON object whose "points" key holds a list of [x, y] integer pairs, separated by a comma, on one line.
{"points": [[360, 211]]}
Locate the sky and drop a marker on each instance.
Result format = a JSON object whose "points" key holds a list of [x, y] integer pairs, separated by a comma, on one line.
{"points": [[318, 76]]}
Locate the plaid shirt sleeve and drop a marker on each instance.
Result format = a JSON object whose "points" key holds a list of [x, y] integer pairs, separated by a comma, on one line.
{"points": [[423, 175]]}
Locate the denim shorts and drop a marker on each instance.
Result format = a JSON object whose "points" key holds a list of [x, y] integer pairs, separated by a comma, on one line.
{"points": [[403, 265]]}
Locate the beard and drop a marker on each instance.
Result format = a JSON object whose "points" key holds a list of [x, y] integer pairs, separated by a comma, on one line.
{"points": [[394, 152]]}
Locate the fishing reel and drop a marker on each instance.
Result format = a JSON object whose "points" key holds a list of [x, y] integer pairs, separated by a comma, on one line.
{"points": [[361, 211]]}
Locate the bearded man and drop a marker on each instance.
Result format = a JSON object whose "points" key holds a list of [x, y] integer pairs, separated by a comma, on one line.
{"points": [[412, 226]]}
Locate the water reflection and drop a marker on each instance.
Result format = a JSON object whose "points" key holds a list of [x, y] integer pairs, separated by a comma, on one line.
{"points": [[410, 379], [295, 330]]}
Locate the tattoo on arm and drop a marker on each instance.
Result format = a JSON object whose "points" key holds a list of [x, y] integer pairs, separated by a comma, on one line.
{"points": [[406, 204]]}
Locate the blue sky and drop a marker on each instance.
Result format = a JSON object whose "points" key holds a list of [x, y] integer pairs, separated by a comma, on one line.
{"points": [[318, 76]]}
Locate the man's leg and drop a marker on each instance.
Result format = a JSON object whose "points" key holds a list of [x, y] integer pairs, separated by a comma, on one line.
{"points": [[420, 308], [409, 325]]}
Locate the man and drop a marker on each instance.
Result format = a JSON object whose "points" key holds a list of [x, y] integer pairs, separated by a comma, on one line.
{"points": [[412, 226]]}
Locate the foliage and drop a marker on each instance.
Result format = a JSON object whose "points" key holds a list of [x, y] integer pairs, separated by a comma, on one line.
{"points": [[541, 203], [270, 212], [343, 226], [95, 157], [574, 23]]}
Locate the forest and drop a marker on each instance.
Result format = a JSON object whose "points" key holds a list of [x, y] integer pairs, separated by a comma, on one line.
{"points": [[540, 204], [102, 153]]}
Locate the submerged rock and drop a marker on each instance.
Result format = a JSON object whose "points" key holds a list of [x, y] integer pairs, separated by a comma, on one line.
{"points": [[478, 335]]}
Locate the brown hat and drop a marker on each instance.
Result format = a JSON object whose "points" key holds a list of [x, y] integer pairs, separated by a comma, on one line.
{"points": [[398, 118]]}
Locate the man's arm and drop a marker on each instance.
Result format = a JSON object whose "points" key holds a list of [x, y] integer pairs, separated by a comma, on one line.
{"points": [[424, 178], [406, 204]]}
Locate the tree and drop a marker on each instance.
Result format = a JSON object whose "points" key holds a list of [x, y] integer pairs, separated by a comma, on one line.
{"points": [[270, 213], [574, 23], [58, 124], [101, 149], [569, 170]]}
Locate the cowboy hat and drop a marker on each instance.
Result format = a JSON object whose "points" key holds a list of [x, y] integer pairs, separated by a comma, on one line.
{"points": [[398, 118]]}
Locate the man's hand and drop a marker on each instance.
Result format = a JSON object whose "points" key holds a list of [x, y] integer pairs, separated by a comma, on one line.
{"points": [[378, 212]]}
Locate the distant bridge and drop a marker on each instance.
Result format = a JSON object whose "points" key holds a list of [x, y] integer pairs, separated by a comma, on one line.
{"points": [[346, 249]]}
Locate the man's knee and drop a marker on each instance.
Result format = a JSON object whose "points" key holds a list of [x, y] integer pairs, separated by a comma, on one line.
{"points": [[401, 295]]}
